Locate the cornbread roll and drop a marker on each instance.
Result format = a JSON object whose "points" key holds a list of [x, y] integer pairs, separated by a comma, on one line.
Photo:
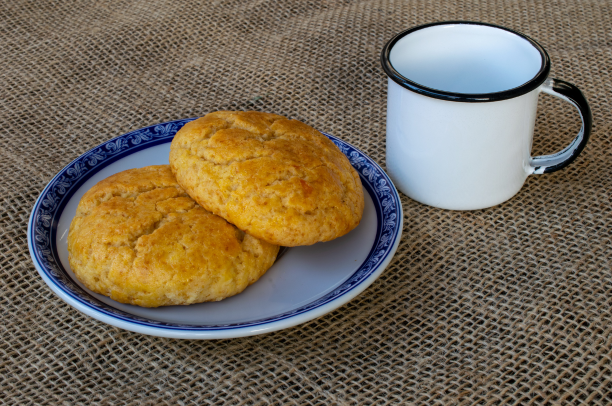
{"points": [[140, 239], [274, 178]]}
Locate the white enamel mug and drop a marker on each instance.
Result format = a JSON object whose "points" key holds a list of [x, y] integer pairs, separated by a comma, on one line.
{"points": [[461, 108]]}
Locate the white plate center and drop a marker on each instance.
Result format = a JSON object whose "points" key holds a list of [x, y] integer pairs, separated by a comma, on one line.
{"points": [[301, 276]]}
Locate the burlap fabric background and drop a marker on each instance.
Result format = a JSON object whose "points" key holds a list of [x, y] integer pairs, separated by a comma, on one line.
{"points": [[509, 305]]}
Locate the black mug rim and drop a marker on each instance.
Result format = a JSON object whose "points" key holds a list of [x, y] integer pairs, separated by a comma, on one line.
{"points": [[526, 87]]}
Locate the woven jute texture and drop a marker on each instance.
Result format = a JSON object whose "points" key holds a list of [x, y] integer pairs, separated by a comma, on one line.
{"points": [[508, 305]]}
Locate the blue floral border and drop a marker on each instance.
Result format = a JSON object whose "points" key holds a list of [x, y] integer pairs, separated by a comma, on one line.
{"points": [[49, 206]]}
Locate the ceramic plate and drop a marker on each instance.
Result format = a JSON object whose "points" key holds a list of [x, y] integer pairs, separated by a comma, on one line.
{"points": [[304, 283]]}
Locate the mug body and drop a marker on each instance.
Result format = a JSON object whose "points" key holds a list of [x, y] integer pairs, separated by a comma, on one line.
{"points": [[458, 156], [461, 108]]}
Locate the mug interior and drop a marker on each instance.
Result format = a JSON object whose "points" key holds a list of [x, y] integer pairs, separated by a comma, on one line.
{"points": [[466, 58]]}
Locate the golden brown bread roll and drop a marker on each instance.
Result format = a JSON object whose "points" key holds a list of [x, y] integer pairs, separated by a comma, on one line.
{"points": [[277, 179], [138, 238]]}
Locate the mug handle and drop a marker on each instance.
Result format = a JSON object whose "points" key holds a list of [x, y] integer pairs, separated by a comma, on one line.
{"points": [[570, 93]]}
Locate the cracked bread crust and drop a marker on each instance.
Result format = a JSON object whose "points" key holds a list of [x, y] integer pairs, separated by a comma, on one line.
{"points": [[277, 179], [138, 238]]}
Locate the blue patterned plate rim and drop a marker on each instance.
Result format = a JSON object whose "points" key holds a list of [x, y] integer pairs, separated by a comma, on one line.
{"points": [[48, 208]]}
